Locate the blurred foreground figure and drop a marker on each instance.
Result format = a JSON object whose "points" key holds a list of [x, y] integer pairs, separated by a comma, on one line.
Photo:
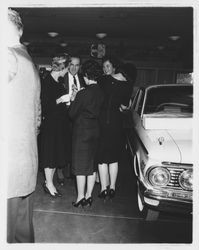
{"points": [[23, 120]]}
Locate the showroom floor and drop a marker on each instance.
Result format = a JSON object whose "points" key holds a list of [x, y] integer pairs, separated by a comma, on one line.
{"points": [[117, 221]]}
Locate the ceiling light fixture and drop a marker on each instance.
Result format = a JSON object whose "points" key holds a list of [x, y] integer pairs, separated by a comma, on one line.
{"points": [[101, 35], [174, 38], [26, 43], [160, 47], [53, 34], [63, 44]]}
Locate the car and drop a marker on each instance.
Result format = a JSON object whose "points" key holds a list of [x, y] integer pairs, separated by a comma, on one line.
{"points": [[159, 138]]}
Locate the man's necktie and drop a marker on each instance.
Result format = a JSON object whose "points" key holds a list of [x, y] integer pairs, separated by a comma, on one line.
{"points": [[75, 81]]}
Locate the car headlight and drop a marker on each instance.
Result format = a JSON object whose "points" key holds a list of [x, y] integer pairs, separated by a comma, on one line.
{"points": [[159, 176], [186, 179]]}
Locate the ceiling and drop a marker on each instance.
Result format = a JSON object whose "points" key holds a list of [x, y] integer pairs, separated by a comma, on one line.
{"points": [[139, 33]]}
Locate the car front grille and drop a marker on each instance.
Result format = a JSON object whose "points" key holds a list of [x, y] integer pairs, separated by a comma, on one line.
{"points": [[174, 181]]}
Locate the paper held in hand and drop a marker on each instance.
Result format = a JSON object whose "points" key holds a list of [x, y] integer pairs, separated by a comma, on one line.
{"points": [[65, 98]]}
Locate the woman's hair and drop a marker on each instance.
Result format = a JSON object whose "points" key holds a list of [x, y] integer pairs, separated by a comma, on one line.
{"points": [[130, 71], [60, 62], [14, 17], [113, 60], [91, 69]]}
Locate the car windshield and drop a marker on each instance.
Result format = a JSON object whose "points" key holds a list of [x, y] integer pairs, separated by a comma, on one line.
{"points": [[169, 100]]}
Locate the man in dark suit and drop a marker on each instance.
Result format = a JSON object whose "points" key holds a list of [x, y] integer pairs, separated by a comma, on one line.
{"points": [[73, 80]]}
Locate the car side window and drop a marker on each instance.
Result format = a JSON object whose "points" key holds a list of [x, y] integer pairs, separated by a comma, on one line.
{"points": [[141, 100], [139, 103], [135, 99]]}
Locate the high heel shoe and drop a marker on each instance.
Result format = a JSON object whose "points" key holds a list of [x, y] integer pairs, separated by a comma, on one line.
{"points": [[111, 193], [89, 201], [81, 203], [103, 194], [48, 191], [58, 193], [60, 181]]}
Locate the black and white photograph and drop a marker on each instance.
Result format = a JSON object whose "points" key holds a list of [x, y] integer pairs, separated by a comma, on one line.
{"points": [[99, 130]]}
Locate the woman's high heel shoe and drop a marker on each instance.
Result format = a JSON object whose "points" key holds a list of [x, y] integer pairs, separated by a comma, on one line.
{"points": [[48, 191], [60, 181], [58, 193], [81, 203], [103, 194], [111, 193], [89, 201]]}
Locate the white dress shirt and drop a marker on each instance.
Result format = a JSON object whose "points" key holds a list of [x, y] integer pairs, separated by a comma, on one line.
{"points": [[71, 83]]}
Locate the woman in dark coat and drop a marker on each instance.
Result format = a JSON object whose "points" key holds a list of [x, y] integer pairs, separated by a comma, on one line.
{"points": [[84, 112], [116, 93], [55, 138]]}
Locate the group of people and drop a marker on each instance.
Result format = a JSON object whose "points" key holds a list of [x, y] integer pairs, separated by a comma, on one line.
{"points": [[79, 118], [82, 124]]}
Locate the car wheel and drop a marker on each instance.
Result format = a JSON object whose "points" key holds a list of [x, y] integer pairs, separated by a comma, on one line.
{"points": [[147, 213]]}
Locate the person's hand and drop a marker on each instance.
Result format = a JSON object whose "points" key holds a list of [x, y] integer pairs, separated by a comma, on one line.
{"points": [[123, 108], [74, 93], [63, 98]]}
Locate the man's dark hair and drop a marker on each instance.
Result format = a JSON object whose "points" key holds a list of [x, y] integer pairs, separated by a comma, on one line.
{"points": [[91, 69], [75, 55]]}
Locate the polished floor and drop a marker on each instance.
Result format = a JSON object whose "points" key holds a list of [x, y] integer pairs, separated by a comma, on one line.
{"points": [[116, 221]]}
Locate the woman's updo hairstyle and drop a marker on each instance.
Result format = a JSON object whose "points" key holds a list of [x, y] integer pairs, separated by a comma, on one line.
{"points": [[112, 59], [91, 69], [61, 61]]}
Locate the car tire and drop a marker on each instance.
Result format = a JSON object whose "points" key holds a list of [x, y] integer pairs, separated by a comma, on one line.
{"points": [[147, 213]]}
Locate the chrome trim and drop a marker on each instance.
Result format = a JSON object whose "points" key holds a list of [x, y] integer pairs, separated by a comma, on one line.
{"points": [[148, 193], [176, 164], [174, 178]]}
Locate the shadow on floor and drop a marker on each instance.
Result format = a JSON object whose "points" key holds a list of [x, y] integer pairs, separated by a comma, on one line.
{"points": [[117, 221]]}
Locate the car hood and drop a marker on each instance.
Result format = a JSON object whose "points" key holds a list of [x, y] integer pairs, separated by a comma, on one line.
{"points": [[171, 145]]}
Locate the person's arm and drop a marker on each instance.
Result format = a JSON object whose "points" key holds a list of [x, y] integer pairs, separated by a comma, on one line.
{"points": [[12, 65], [48, 100], [38, 105], [77, 105], [126, 98]]}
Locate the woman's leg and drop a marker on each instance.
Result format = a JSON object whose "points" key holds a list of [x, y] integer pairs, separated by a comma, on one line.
{"points": [[53, 172], [90, 185], [97, 179], [113, 171], [60, 173], [81, 182], [49, 173], [103, 173]]}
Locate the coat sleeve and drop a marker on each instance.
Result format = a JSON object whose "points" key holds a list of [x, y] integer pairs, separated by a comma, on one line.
{"points": [[12, 65], [48, 102], [77, 105], [126, 94], [38, 105]]}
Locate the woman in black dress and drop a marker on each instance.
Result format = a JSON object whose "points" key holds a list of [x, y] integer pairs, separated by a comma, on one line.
{"points": [[116, 93], [55, 138], [84, 112]]}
